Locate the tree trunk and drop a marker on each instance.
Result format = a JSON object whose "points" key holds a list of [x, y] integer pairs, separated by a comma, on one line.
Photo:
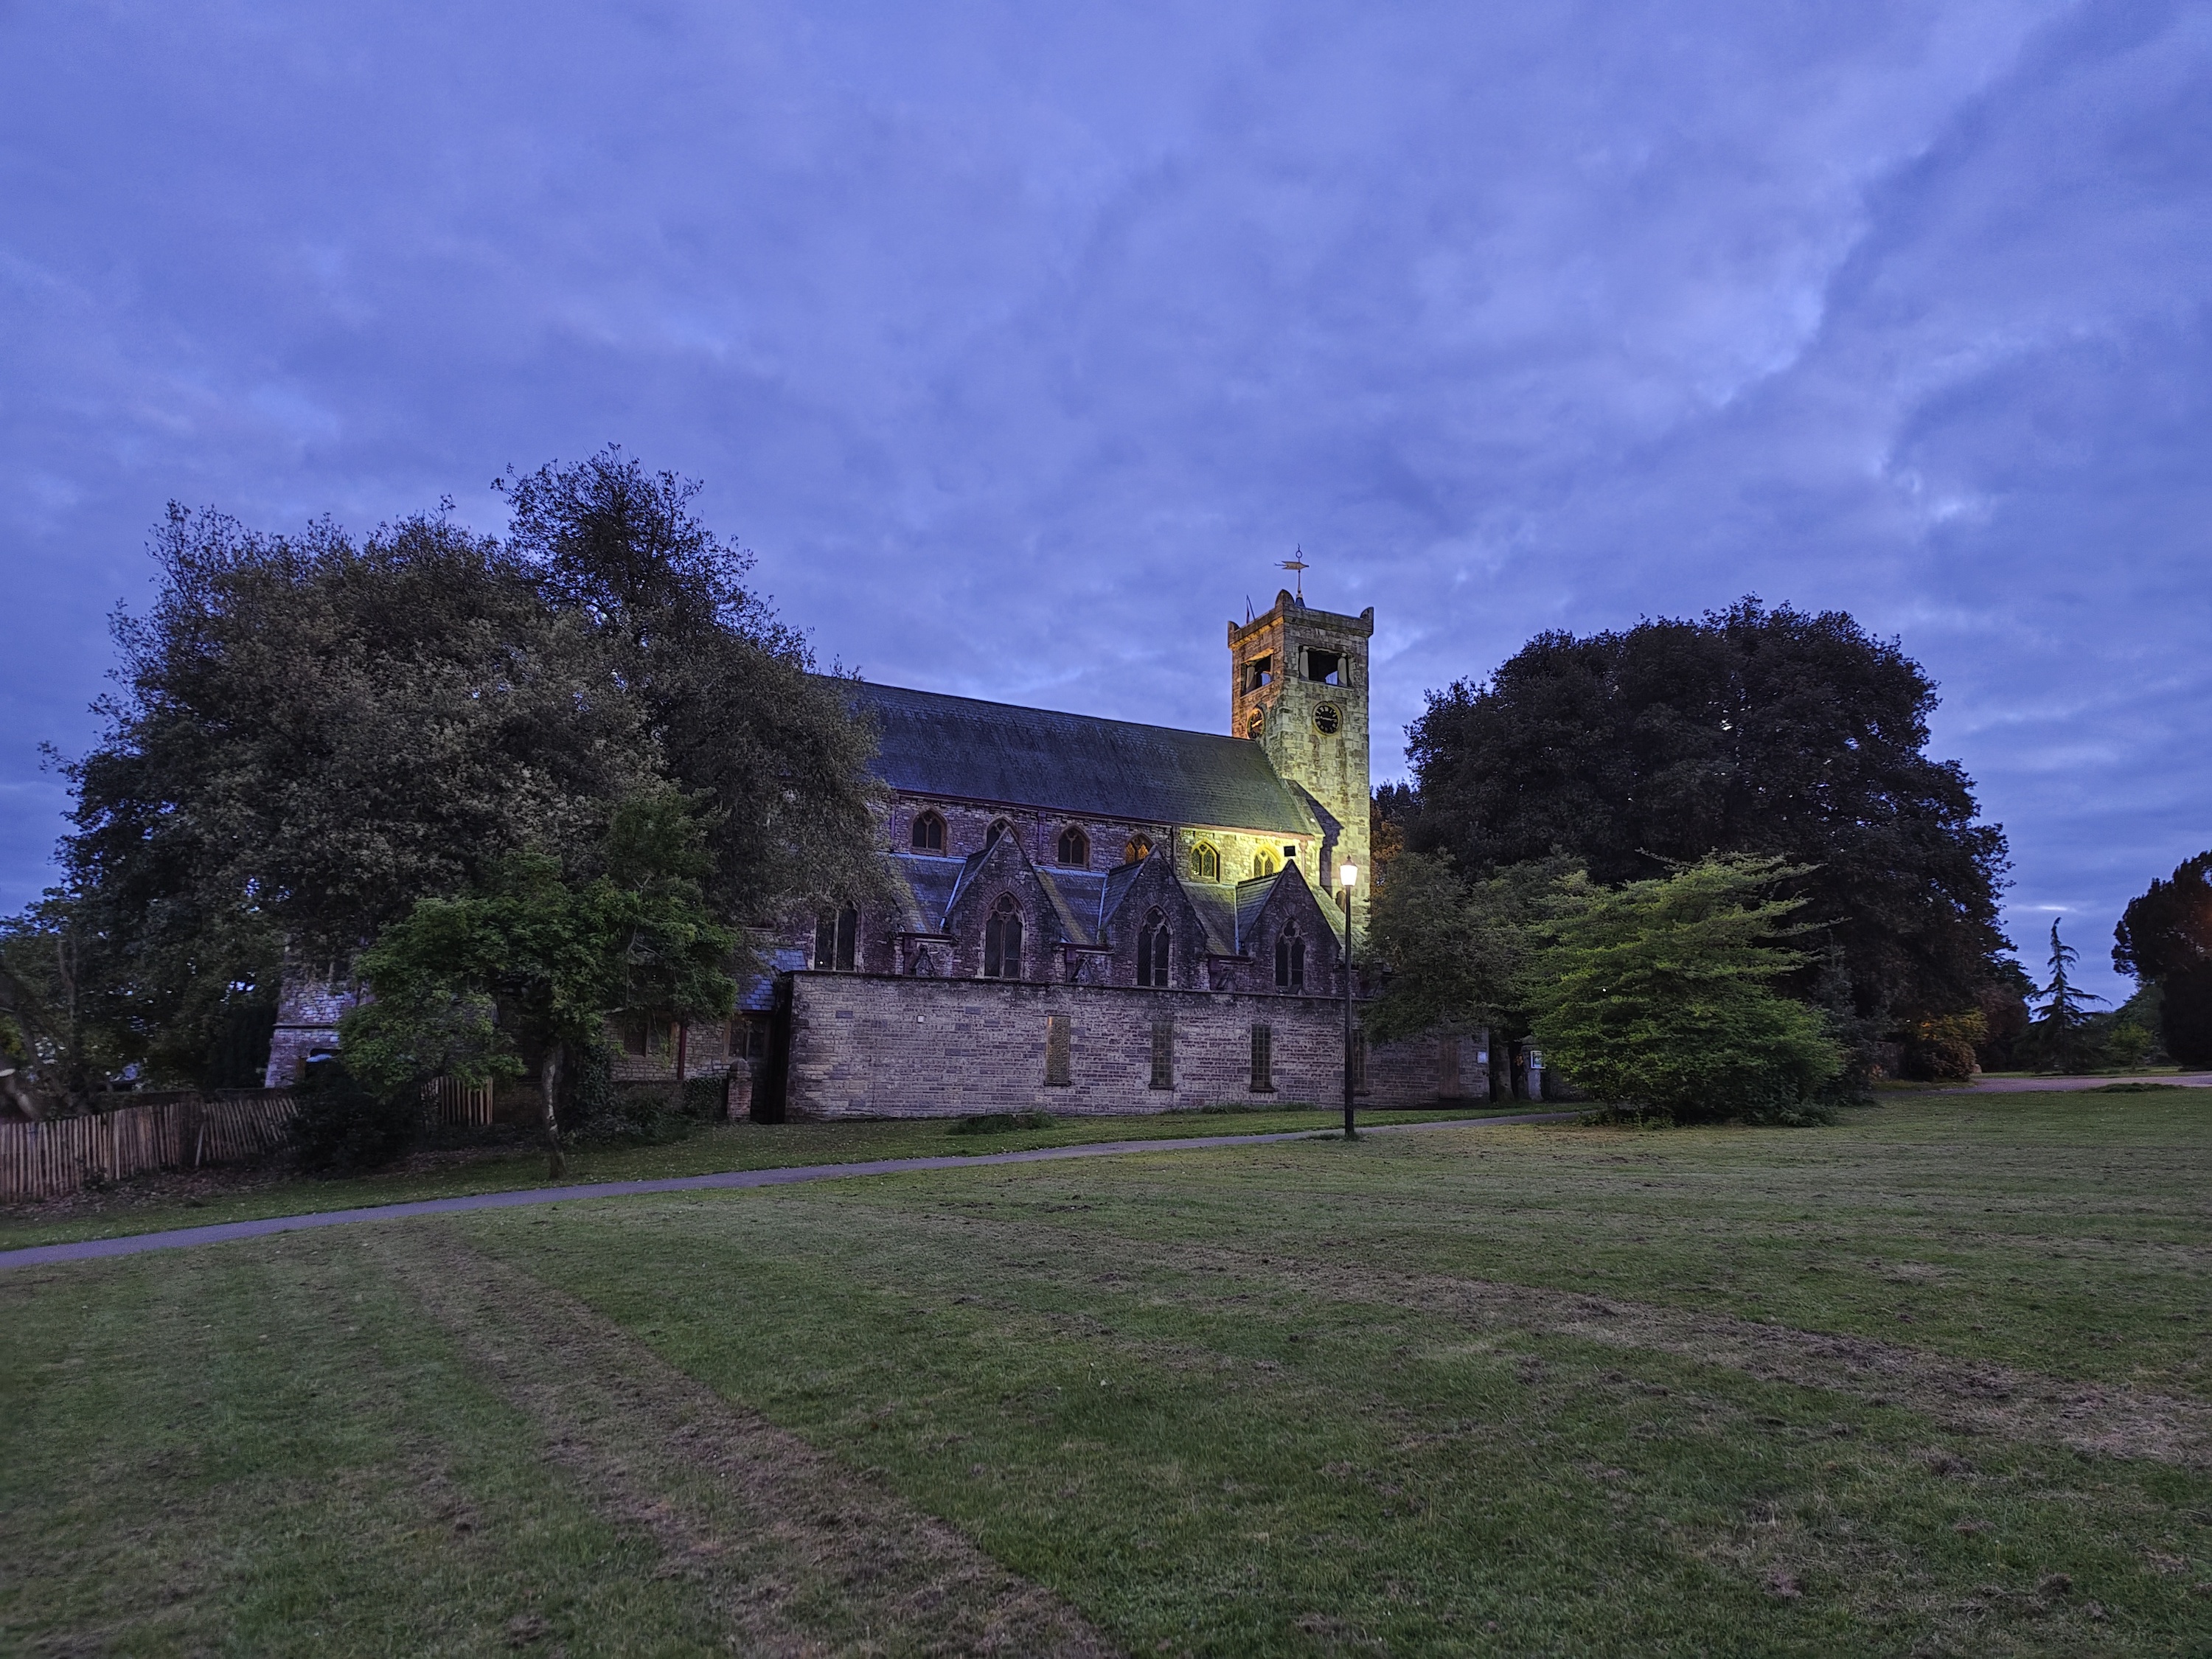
{"points": [[557, 1166]]}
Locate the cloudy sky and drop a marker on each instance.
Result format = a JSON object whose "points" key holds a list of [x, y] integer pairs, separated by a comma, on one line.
{"points": [[1020, 342]]}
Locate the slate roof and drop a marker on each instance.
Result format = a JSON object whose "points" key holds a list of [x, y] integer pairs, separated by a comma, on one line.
{"points": [[965, 749]]}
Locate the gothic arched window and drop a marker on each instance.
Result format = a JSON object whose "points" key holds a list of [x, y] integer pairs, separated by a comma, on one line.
{"points": [[1002, 940], [1263, 864], [928, 833], [999, 828], [1137, 849], [1204, 863], [836, 939], [1153, 951], [1290, 961], [1074, 849]]}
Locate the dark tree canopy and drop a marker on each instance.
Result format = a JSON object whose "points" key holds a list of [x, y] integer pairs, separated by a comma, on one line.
{"points": [[2165, 938], [1774, 733], [726, 688], [310, 735]]}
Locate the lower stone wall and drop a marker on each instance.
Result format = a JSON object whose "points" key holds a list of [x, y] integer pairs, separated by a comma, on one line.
{"points": [[868, 1045]]}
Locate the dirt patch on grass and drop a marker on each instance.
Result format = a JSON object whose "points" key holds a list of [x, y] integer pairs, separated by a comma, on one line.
{"points": [[1966, 1395], [799, 1554]]}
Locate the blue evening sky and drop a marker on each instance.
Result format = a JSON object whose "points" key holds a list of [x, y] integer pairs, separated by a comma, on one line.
{"points": [[1020, 342]]}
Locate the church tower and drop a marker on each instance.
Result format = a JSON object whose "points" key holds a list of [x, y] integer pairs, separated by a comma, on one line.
{"points": [[1298, 687]]}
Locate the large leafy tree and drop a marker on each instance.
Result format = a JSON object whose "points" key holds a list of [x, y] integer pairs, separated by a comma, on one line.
{"points": [[1661, 993], [1775, 733], [525, 973], [309, 734], [1457, 950], [726, 691], [2165, 939]]}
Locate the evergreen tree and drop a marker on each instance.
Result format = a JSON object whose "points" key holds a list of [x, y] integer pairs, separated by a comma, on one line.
{"points": [[2165, 939], [2060, 1026]]}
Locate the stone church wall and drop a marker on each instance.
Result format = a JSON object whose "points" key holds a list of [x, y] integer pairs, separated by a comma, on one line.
{"points": [[868, 1045]]}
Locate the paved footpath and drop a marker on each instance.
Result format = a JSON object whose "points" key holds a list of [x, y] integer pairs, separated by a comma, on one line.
{"points": [[179, 1238]]}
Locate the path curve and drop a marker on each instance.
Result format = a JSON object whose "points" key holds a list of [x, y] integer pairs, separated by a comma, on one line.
{"points": [[91, 1249]]}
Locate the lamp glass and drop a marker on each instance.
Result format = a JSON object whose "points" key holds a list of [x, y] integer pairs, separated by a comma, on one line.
{"points": [[1347, 875]]}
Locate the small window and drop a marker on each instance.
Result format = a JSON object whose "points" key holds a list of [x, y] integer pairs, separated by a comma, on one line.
{"points": [[1137, 849], [1153, 951], [1327, 718], [1263, 863], [1326, 667], [1002, 940], [836, 939], [1059, 1059], [748, 1036], [637, 1036], [999, 828], [1263, 1060], [1259, 671], [1162, 1054], [1359, 1061], [1256, 725], [1204, 863], [1074, 849], [1290, 961], [928, 833]]}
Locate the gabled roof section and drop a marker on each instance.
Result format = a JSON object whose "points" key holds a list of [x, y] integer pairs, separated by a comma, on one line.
{"points": [[934, 745], [924, 893], [1073, 897], [1119, 881], [1215, 905], [1252, 898]]}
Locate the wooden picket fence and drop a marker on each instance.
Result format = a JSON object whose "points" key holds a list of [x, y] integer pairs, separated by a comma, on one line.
{"points": [[46, 1160], [458, 1103]]}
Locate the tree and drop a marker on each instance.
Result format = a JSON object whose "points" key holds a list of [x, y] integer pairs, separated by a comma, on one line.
{"points": [[1455, 950], [531, 968], [54, 1048], [2059, 1028], [725, 688], [310, 735], [2165, 941], [1659, 992], [1775, 733]]}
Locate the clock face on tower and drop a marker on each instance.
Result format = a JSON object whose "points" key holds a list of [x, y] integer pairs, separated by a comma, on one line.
{"points": [[1327, 719]]}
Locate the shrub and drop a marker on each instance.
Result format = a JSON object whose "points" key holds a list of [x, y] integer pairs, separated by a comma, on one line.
{"points": [[598, 1111], [999, 1123], [1658, 994], [344, 1127]]}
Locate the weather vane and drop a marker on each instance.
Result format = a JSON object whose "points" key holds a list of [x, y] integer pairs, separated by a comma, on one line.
{"points": [[1297, 565]]}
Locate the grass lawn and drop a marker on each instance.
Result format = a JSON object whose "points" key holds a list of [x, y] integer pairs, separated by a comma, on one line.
{"points": [[153, 1203], [1937, 1380]]}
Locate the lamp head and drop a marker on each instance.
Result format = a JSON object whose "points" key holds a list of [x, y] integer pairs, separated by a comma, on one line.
{"points": [[1347, 875]]}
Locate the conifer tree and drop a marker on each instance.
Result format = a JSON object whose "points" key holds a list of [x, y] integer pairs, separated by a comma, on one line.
{"points": [[2059, 1026]]}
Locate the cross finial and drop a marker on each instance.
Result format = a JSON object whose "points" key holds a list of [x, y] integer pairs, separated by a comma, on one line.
{"points": [[1297, 565]]}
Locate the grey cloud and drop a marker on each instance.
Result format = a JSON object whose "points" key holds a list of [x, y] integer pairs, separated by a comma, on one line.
{"points": [[1020, 345]]}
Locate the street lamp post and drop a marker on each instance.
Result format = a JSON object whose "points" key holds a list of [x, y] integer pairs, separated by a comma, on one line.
{"points": [[1347, 877]]}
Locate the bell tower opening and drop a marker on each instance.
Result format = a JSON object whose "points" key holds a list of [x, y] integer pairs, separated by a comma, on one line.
{"points": [[1298, 688]]}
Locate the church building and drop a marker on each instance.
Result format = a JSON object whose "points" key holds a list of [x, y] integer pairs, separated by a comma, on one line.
{"points": [[1093, 916], [1079, 915]]}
